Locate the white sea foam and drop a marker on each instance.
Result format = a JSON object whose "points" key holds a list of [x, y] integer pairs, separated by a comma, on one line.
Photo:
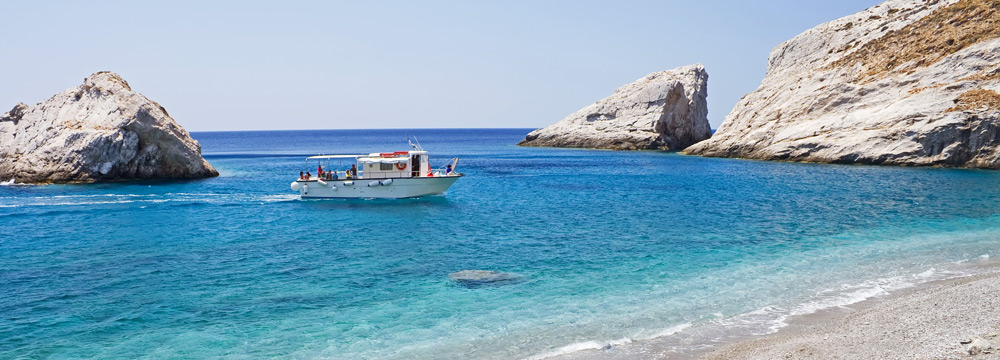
{"points": [[580, 346], [673, 330], [606, 345], [279, 198], [112, 199], [7, 183], [92, 196], [762, 321], [770, 319], [852, 294]]}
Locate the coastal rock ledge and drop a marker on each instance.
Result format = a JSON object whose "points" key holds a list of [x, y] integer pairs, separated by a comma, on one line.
{"points": [[665, 110], [906, 82], [100, 131]]}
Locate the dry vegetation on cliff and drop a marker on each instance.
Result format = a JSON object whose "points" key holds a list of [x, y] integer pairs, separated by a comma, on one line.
{"points": [[928, 40], [976, 100]]}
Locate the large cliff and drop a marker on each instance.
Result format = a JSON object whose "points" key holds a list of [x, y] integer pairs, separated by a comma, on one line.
{"points": [[663, 110], [906, 82], [95, 132]]}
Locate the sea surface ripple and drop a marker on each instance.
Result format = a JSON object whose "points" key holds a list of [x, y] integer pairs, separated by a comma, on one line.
{"points": [[612, 248]]}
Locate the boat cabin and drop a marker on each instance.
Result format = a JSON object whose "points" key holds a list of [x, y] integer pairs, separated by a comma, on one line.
{"points": [[399, 164], [393, 165]]}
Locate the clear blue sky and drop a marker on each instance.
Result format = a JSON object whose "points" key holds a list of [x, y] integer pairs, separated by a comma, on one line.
{"points": [[391, 64]]}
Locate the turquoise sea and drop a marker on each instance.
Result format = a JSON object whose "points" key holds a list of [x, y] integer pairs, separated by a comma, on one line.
{"points": [[613, 250]]}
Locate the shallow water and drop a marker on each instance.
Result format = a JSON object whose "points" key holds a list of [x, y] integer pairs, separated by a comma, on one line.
{"points": [[611, 247]]}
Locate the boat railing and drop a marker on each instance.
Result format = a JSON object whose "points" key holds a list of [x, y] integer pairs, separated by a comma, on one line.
{"points": [[342, 175]]}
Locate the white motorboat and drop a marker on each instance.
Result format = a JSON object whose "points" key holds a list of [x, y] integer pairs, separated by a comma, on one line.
{"points": [[395, 175]]}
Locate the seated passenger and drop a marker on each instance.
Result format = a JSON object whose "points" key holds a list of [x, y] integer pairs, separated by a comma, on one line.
{"points": [[447, 170]]}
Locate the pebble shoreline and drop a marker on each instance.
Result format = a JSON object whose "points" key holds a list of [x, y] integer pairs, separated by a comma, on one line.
{"points": [[952, 319]]}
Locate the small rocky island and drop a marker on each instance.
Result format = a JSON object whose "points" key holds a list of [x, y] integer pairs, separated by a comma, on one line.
{"points": [[665, 110], [906, 82], [100, 131]]}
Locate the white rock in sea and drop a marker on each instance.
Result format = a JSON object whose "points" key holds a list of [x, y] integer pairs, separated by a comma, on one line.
{"points": [[95, 132], [474, 278], [663, 110], [906, 82]]}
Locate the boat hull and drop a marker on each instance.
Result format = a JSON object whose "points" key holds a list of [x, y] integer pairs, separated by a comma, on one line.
{"points": [[397, 188]]}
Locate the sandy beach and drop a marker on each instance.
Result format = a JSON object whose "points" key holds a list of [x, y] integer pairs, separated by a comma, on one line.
{"points": [[952, 319]]}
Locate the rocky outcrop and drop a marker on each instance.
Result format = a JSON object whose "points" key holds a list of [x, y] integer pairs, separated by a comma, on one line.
{"points": [[663, 110], [906, 82], [95, 132]]}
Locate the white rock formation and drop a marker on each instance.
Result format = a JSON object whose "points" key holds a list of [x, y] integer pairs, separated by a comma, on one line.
{"points": [[98, 131], [906, 82], [663, 110]]}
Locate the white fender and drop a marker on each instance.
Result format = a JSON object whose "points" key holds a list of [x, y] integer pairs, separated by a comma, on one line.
{"points": [[295, 186], [305, 188], [321, 182], [348, 183], [374, 184], [386, 182], [334, 188]]}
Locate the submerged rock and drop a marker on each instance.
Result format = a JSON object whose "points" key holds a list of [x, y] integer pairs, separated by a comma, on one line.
{"points": [[906, 82], [99, 131], [663, 110], [476, 278]]}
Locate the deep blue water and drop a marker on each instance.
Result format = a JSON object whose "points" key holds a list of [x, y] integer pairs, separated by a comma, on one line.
{"points": [[612, 248]]}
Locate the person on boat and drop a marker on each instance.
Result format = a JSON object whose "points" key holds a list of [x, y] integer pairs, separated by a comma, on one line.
{"points": [[302, 175], [447, 170], [319, 171], [308, 175], [333, 175], [354, 170]]}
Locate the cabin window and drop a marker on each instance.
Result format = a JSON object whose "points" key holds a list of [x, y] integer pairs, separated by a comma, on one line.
{"points": [[385, 167]]}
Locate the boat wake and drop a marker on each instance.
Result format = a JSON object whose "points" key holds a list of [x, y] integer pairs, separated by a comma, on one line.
{"points": [[145, 199]]}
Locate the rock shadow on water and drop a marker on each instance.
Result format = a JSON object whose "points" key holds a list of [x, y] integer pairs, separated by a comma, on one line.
{"points": [[484, 278]]}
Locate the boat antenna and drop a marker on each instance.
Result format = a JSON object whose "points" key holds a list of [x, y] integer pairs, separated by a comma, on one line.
{"points": [[415, 147]]}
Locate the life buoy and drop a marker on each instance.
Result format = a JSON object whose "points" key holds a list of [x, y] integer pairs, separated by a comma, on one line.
{"points": [[401, 166]]}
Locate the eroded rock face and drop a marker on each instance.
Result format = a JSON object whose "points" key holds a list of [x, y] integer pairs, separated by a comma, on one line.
{"points": [[663, 110], [95, 132], [906, 82]]}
